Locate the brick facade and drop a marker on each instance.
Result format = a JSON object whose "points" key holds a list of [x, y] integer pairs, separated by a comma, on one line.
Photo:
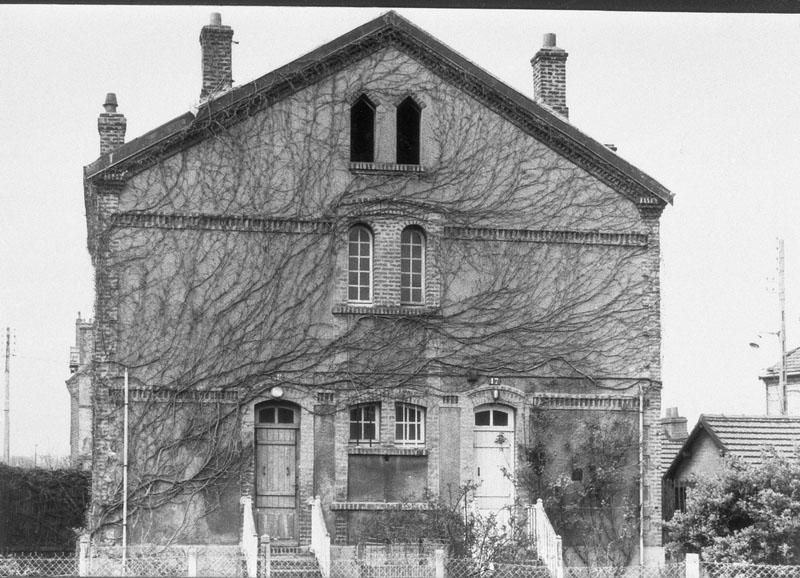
{"points": [[510, 223]]}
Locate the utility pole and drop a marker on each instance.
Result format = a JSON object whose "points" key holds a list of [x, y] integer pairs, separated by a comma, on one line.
{"points": [[7, 405], [782, 334]]}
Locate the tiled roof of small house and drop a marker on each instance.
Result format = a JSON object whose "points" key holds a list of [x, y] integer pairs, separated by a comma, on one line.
{"points": [[669, 449], [792, 364], [744, 436], [388, 29]]}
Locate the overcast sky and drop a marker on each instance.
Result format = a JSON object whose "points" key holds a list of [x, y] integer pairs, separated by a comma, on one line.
{"points": [[706, 104]]}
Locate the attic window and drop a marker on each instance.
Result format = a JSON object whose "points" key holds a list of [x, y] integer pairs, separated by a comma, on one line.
{"points": [[362, 131], [408, 124]]}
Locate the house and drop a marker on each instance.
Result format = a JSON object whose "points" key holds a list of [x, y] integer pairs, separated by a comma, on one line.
{"points": [[674, 432], [717, 438], [79, 386], [771, 379], [373, 275]]}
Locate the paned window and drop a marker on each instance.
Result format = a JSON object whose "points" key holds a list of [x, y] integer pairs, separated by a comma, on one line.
{"points": [[680, 498], [359, 264], [408, 124], [362, 131], [364, 423], [412, 266], [491, 417], [276, 415], [409, 425]]}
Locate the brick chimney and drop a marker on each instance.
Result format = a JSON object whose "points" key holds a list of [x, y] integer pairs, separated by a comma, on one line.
{"points": [[674, 426], [215, 41], [111, 125], [550, 76]]}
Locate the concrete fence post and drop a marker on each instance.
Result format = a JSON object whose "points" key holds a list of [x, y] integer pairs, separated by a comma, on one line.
{"points": [[692, 565], [191, 561], [438, 562], [266, 556], [83, 555]]}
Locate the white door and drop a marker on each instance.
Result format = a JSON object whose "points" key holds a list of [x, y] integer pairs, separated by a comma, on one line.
{"points": [[494, 460]]}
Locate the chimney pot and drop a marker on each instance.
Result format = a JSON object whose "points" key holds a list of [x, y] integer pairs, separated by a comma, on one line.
{"points": [[216, 19], [549, 40], [111, 125], [110, 104]]}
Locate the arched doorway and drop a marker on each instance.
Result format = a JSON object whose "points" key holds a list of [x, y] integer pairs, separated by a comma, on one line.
{"points": [[494, 459], [277, 426]]}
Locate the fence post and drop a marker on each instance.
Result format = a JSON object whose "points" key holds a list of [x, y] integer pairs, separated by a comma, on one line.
{"points": [[692, 565], [438, 562], [83, 554], [266, 555], [191, 554]]}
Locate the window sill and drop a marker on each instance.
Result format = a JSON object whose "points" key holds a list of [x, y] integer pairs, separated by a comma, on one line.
{"points": [[386, 450], [385, 168], [379, 506], [398, 310]]}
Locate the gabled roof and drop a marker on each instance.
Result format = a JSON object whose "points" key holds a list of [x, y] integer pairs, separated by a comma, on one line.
{"points": [[669, 449], [744, 436], [386, 30], [792, 365]]}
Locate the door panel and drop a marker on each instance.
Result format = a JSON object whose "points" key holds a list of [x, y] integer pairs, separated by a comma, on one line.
{"points": [[276, 479], [494, 460]]}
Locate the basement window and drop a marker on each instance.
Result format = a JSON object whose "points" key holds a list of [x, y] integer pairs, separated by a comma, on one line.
{"points": [[408, 125], [362, 131]]}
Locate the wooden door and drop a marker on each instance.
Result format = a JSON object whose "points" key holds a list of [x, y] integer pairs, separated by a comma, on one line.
{"points": [[277, 436], [494, 460]]}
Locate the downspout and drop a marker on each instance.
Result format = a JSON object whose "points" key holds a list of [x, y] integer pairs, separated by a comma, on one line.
{"points": [[125, 475], [641, 475]]}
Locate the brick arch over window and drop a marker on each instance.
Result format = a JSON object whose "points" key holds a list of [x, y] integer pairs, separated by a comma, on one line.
{"points": [[362, 130], [359, 264], [409, 115], [412, 266]]}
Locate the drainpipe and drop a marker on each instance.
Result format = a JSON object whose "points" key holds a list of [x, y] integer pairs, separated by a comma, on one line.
{"points": [[641, 475], [125, 475]]}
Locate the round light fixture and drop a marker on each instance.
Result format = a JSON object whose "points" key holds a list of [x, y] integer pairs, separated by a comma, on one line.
{"points": [[276, 391]]}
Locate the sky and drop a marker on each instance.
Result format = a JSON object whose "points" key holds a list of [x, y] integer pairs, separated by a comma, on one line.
{"points": [[707, 104]]}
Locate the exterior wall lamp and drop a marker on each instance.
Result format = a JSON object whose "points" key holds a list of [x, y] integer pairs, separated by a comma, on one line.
{"points": [[276, 391]]}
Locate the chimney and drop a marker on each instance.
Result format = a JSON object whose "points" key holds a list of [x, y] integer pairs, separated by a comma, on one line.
{"points": [[674, 426], [215, 41], [550, 76], [111, 126]]}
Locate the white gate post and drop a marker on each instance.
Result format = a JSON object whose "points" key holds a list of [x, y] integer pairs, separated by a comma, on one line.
{"points": [[438, 563], [692, 565], [83, 555], [191, 553]]}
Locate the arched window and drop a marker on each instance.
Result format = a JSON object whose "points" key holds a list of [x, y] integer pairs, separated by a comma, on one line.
{"points": [[359, 264], [362, 131], [408, 123], [412, 266]]}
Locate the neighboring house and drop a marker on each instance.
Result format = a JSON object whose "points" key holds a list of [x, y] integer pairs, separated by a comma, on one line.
{"points": [[771, 380], [674, 432], [364, 276], [79, 385], [717, 438]]}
